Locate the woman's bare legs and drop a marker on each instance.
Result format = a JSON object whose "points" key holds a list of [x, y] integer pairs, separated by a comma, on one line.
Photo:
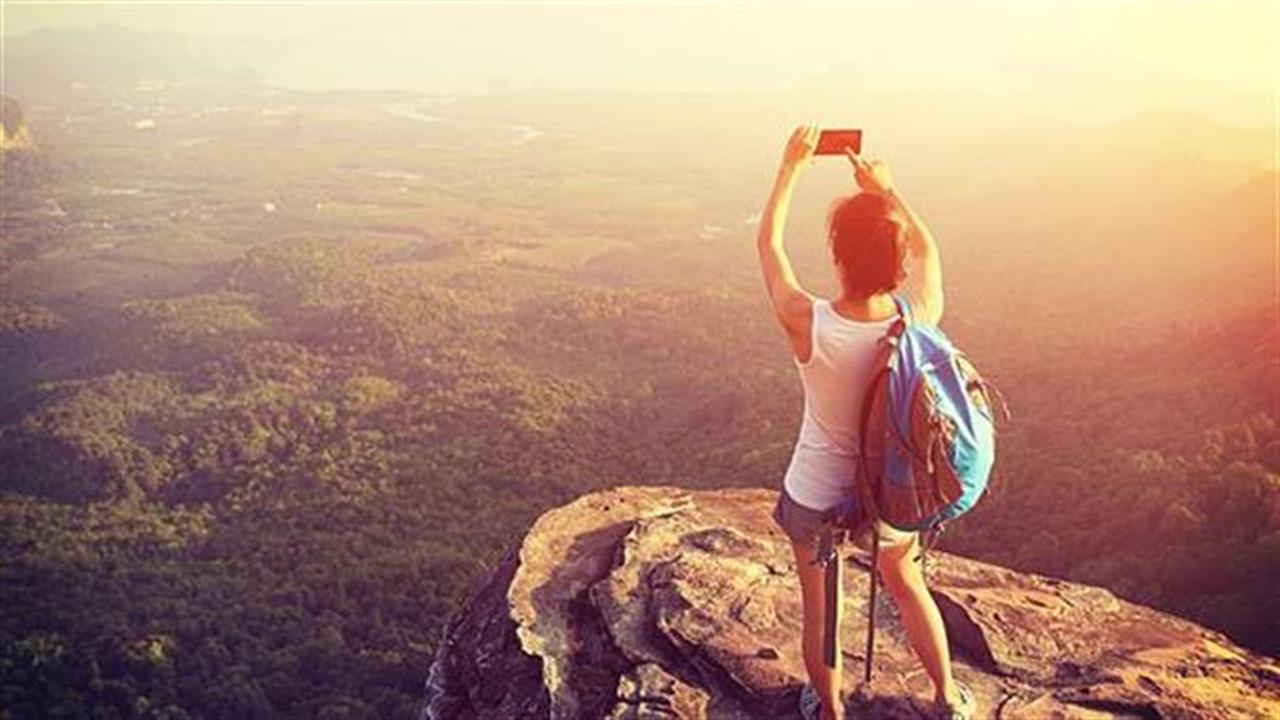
{"points": [[824, 679], [903, 577]]}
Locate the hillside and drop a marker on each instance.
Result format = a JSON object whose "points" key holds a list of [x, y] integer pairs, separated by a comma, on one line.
{"points": [[283, 372], [641, 602]]}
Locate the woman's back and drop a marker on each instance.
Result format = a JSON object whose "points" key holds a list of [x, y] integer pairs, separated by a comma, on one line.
{"points": [[835, 377]]}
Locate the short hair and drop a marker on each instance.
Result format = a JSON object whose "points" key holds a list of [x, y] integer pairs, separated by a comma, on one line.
{"points": [[867, 244]]}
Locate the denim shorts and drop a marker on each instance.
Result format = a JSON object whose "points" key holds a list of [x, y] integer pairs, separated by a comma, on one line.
{"points": [[801, 524]]}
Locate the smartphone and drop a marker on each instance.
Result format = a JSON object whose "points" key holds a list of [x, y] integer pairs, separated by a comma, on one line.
{"points": [[833, 142]]}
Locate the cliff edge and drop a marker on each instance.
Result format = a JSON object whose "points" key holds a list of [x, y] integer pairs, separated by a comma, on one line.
{"points": [[658, 602]]}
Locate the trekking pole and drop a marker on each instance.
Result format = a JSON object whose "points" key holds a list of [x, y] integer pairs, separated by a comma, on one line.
{"points": [[831, 598], [871, 603]]}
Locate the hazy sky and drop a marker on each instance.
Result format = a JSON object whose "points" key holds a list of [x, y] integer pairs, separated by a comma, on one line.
{"points": [[1085, 58]]}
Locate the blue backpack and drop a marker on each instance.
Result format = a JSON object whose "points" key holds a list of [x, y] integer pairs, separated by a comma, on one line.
{"points": [[927, 446], [927, 431]]}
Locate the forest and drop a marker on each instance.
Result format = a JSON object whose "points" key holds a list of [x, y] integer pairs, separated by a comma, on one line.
{"points": [[279, 386]]}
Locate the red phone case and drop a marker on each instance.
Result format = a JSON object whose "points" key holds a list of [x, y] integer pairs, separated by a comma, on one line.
{"points": [[833, 142]]}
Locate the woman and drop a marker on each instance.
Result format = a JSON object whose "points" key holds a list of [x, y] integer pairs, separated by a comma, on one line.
{"points": [[873, 237]]}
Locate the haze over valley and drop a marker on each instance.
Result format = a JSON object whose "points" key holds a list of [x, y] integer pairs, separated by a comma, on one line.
{"points": [[285, 368]]}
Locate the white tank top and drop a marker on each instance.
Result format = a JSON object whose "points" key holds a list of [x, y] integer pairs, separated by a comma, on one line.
{"points": [[835, 378]]}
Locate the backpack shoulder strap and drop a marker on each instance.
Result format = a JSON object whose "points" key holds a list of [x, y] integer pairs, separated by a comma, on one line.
{"points": [[888, 347], [904, 307]]}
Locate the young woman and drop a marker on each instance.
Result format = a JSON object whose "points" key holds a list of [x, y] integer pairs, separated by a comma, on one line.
{"points": [[874, 238]]}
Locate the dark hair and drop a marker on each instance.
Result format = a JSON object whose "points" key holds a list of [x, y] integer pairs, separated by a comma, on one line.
{"points": [[866, 239]]}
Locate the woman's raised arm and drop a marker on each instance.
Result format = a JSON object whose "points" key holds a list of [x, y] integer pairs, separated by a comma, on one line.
{"points": [[792, 304], [924, 275]]}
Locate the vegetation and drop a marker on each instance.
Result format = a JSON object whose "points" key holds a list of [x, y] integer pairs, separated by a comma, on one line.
{"points": [[253, 459]]}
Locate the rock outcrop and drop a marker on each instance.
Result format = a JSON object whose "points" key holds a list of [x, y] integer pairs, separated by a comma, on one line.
{"points": [[13, 126], [22, 164], [655, 602]]}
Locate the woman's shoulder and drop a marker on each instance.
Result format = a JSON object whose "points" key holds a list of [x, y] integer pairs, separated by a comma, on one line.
{"points": [[842, 319], [800, 321]]}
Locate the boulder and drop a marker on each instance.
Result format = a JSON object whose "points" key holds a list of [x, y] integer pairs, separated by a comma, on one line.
{"points": [[658, 602]]}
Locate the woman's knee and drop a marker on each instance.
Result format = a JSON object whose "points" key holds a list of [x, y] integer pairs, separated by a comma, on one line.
{"points": [[899, 569]]}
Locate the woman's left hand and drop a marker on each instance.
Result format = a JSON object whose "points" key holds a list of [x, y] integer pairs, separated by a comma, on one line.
{"points": [[799, 152]]}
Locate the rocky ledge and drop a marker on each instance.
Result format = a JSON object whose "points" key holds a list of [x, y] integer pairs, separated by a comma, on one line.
{"points": [[656, 602]]}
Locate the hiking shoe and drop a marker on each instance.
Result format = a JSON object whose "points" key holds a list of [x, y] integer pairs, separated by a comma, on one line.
{"points": [[960, 710], [810, 703]]}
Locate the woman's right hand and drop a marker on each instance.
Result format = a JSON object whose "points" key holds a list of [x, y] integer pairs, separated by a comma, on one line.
{"points": [[871, 175]]}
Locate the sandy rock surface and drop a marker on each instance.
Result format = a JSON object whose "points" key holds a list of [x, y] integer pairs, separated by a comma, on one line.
{"points": [[657, 602]]}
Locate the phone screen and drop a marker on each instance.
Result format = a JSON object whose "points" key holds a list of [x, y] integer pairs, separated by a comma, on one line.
{"points": [[833, 142]]}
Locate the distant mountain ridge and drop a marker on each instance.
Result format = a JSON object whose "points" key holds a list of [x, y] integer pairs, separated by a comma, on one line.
{"points": [[66, 63]]}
